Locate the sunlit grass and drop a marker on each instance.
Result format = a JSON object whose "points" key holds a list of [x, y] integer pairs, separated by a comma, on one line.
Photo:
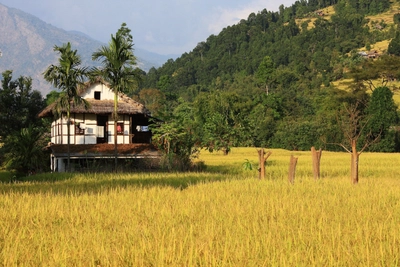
{"points": [[327, 11], [224, 216], [381, 46], [386, 17]]}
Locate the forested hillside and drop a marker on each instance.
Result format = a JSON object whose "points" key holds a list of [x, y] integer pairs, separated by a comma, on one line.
{"points": [[269, 81]]}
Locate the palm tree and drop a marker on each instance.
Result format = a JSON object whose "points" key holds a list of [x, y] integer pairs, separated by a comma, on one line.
{"points": [[117, 70], [68, 75]]}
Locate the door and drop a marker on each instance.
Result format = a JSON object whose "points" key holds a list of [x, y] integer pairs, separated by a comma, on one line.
{"points": [[102, 136]]}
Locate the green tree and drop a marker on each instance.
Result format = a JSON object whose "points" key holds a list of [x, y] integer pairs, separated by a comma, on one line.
{"points": [[23, 151], [52, 97], [67, 76], [165, 85], [296, 134], [394, 45], [154, 100], [176, 137], [263, 119], [386, 68], [265, 73], [219, 120], [19, 104], [356, 139], [382, 114], [117, 70], [396, 19]]}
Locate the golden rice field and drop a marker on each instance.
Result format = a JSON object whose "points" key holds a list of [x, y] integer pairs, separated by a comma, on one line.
{"points": [[224, 216]]}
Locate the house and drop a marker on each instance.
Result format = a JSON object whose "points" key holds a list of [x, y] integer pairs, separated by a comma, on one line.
{"points": [[373, 54], [370, 54], [92, 130], [363, 54]]}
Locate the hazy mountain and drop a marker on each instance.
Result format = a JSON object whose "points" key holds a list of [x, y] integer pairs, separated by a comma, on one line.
{"points": [[27, 45]]}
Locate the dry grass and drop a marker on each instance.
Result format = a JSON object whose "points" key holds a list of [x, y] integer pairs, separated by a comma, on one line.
{"points": [[328, 12], [380, 47], [224, 217], [386, 17]]}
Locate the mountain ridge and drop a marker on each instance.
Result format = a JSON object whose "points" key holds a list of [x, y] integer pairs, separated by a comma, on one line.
{"points": [[27, 45]]}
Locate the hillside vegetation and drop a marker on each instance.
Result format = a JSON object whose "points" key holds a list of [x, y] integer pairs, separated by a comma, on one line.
{"points": [[283, 79], [387, 16]]}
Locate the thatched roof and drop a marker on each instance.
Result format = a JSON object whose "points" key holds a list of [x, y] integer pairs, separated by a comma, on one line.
{"points": [[126, 105]]}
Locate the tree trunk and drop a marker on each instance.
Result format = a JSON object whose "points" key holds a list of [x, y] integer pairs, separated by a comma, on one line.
{"points": [[316, 161], [115, 130], [292, 168], [115, 146], [354, 162], [262, 158], [68, 141], [226, 151]]}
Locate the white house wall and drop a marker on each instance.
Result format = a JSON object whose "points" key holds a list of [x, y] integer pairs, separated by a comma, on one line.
{"points": [[59, 130], [90, 122], [106, 93]]}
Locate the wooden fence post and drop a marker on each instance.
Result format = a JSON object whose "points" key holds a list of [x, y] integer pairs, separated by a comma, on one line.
{"points": [[316, 161], [354, 162], [292, 168], [262, 158]]}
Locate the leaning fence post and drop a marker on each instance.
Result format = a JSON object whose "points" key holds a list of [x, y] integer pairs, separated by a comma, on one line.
{"points": [[292, 168], [316, 161]]}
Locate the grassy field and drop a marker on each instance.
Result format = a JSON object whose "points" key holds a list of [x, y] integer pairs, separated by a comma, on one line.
{"points": [[224, 216], [328, 12], [386, 17]]}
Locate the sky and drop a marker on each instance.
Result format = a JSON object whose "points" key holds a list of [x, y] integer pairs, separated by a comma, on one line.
{"points": [[166, 27]]}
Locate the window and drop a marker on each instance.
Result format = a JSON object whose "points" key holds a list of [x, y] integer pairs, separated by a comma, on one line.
{"points": [[120, 128], [97, 95], [78, 129]]}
